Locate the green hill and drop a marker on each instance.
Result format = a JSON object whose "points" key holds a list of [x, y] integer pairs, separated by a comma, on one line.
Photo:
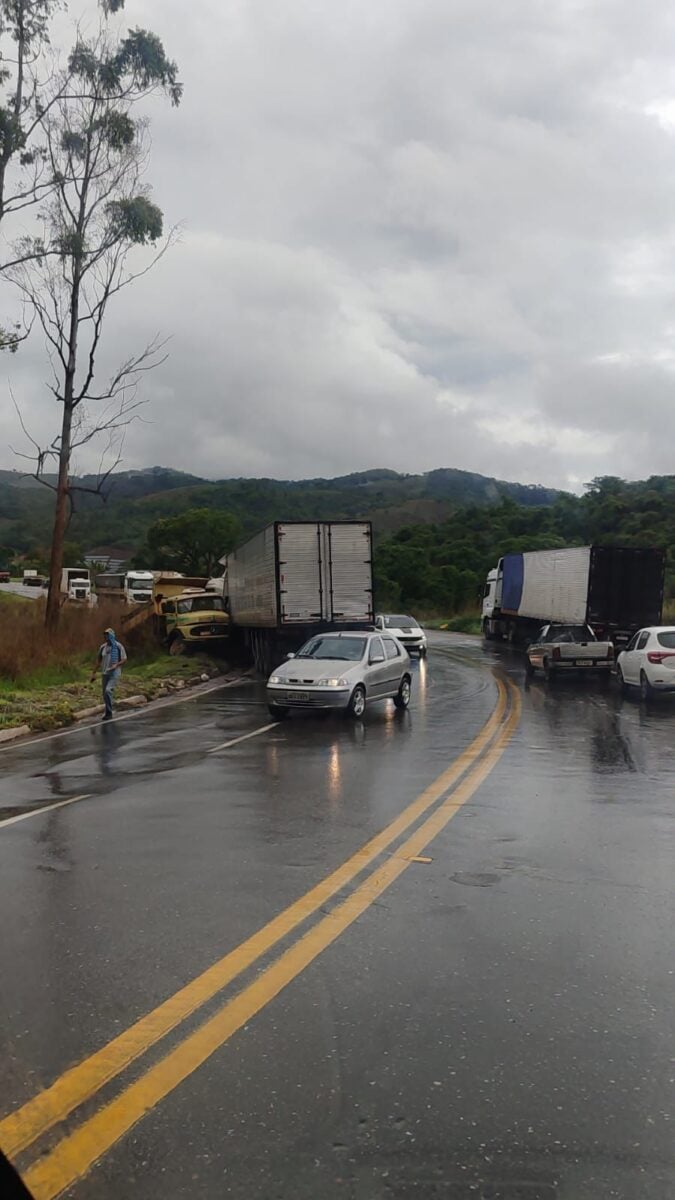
{"points": [[135, 499]]}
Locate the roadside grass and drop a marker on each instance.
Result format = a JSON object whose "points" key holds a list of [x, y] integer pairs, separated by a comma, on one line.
{"points": [[44, 682], [669, 612]]}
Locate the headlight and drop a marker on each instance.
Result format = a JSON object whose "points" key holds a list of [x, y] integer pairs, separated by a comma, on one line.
{"points": [[275, 679], [331, 683]]}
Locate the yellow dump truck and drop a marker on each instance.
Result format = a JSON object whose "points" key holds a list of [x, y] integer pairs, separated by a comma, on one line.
{"points": [[183, 614]]}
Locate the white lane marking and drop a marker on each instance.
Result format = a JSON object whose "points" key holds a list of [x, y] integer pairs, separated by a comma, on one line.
{"points": [[244, 737], [36, 812], [152, 706]]}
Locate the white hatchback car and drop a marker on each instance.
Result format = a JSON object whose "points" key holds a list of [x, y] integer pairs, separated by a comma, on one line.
{"points": [[405, 629], [648, 662]]}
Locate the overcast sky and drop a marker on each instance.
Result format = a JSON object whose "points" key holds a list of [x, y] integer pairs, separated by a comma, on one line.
{"points": [[416, 233]]}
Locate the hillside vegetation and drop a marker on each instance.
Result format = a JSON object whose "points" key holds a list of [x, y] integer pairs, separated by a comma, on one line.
{"points": [[136, 499], [441, 568]]}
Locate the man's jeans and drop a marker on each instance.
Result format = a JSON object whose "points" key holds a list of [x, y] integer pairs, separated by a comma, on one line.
{"points": [[110, 682]]}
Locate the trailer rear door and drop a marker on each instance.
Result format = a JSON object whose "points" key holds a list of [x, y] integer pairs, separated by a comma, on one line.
{"points": [[626, 589], [348, 555], [301, 586]]}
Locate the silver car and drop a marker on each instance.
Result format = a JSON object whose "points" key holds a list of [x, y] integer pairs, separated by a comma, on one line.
{"points": [[341, 671]]}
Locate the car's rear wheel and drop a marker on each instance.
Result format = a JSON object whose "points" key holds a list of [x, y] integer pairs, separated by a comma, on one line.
{"points": [[549, 671], [529, 668], [357, 702], [402, 697], [646, 689]]}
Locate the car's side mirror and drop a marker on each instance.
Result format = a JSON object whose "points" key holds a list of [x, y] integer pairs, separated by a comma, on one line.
{"points": [[376, 658], [290, 656]]}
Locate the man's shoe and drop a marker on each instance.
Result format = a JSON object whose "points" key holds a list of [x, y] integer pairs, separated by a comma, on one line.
{"points": [[107, 717]]}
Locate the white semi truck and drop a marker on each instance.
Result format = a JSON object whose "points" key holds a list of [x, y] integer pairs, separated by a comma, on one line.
{"points": [[615, 590], [76, 585], [295, 578], [129, 587]]}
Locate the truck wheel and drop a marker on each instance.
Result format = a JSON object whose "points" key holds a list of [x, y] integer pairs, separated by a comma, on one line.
{"points": [[489, 637], [357, 703], [402, 697], [646, 689], [177, 644]]}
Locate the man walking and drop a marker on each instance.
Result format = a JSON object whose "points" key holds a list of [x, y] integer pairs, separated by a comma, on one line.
{"points": [[111, 658]]}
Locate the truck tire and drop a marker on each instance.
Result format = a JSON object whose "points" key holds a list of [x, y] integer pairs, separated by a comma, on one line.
{"points": [[357, 702], [177, 644], [489, 637]]}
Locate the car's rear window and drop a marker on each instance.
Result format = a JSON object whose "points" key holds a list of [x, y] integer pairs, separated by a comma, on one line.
{"points": [[667, 639]]}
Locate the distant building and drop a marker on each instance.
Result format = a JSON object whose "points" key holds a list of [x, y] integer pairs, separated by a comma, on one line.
{"points": [[109, 558]]}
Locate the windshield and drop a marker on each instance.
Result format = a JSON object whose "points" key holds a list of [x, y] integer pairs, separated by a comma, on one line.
{"points": [[344, 649], [667, 639], [137, 583], [397, 622], [201, 604]]}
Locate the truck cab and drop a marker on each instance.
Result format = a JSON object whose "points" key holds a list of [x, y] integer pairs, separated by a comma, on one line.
{"points": [[192, 617], [76, 585]]}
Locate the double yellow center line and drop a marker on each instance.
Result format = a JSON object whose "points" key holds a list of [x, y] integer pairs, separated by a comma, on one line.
{"points": [[74, 1154]]}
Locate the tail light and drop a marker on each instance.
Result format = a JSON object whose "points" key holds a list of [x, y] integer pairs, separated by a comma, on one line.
{"points": [[658, 656]]}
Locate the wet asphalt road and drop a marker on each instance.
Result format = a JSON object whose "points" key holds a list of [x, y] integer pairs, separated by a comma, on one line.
{"points": [[497, 1023]]}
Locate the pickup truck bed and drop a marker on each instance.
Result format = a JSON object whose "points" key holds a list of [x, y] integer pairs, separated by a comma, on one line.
{"points": [[557, 649]]}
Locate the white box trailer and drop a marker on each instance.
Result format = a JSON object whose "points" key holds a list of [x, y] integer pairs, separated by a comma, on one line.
{"points": [[297, 577], [614, 589]]}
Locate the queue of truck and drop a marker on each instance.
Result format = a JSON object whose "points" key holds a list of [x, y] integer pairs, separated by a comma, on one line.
{"points": [[571, 608]]}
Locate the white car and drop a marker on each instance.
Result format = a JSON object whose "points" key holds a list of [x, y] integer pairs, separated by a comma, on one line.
{"points": [[648, 662], [405, 629]]}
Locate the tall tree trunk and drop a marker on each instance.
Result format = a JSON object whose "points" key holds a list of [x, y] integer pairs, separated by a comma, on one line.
{"points": [[62, 487], [60, 526]]}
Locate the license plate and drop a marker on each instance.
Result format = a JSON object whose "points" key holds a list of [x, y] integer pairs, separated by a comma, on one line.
{"points": [[298, 696]]}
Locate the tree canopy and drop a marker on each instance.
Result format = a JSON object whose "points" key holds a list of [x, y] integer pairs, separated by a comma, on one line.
{"points": [[192, 542]]}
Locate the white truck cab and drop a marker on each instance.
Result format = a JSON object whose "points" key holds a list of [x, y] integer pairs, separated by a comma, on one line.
{"points": [[76, 584]]}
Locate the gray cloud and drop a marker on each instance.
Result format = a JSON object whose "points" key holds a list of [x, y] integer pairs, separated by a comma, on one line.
{"points": [[419, 233]]}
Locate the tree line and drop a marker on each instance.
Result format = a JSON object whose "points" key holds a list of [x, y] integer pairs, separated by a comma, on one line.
{"points": [[442, 568]]}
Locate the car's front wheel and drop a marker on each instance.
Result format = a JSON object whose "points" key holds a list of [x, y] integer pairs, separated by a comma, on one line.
{"points": [[402, 697], [357, 702], [278, 711]]}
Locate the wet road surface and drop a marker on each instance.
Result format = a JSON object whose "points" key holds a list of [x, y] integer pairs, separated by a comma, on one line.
{"points": [[479, 1003]]}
